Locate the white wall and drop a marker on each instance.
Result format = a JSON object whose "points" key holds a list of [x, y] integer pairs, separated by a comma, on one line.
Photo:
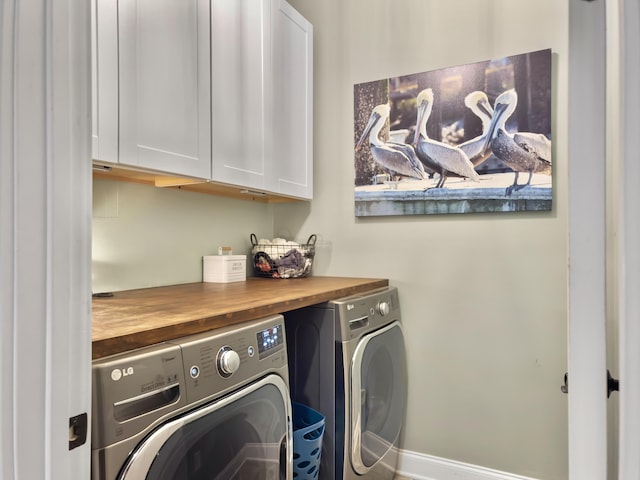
{"points": [[483, 296]]}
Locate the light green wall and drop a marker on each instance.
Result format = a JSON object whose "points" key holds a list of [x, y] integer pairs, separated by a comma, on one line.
{"points": [[483, 296], [145, 236]]}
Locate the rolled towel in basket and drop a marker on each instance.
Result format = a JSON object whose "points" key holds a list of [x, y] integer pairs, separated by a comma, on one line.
{"points": [[276, 248], [292, 259]]}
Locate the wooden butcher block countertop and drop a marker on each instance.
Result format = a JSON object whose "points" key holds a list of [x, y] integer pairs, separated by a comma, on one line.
{"points": [[137, 318]]}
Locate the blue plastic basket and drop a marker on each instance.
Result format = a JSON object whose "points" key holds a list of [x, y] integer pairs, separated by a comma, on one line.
{"points": [[308, 429]]}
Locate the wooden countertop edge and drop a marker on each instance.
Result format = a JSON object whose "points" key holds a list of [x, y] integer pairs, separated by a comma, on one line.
{"points": [[121, 343]]}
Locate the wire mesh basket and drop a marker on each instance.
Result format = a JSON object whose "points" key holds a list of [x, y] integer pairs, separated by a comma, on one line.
{"points": [[282, 259]]}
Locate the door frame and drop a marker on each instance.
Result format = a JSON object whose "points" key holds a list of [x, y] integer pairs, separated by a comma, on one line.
{"points": [[623, 20], [604, 232], [45, 237], [587, 231]]}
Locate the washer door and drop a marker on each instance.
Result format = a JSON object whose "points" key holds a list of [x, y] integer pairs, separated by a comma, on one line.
{"points": [[378, 395], [246, 435]]}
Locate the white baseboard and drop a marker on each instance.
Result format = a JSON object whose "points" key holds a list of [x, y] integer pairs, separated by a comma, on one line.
{"points": [[418, 466]]}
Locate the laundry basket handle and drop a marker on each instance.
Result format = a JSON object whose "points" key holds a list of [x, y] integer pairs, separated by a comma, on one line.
{"points": [[310, 241]]}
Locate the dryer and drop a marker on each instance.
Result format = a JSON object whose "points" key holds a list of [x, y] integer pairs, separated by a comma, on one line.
{"points": [[207, 406], [347, 360]]}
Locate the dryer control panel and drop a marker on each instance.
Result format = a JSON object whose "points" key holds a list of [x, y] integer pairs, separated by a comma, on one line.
{"points": [[364, 312]]}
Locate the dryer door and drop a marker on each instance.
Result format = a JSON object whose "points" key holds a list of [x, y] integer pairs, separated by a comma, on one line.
{"points": [[244, 435], [378, 396]]}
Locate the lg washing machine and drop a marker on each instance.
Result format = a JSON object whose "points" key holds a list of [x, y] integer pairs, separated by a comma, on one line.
{"points": [[208, 406]]}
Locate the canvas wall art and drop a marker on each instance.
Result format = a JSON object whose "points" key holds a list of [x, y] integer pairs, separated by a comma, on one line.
{"points": [[464, 139]]}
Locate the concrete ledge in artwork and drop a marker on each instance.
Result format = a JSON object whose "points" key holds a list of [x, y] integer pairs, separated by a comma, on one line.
{"points": [[411, 198]]}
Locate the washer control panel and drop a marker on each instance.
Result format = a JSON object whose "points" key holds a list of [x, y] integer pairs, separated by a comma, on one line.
{"points": [[228, 361], [224, 359], [269, 340]]}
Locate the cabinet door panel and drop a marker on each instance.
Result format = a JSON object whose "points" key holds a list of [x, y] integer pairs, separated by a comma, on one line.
{"points": [[164, 85], [104, 80], [292, 86], [238, 59]]}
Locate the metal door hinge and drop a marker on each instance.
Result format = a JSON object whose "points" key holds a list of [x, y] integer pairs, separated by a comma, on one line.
{"points": [[613, 384]]}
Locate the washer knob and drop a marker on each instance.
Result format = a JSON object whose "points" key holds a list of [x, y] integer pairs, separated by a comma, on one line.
{"points": [[228, 361], [383, 308]]}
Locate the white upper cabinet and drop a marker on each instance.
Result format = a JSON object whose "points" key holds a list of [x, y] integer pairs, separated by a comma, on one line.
{"points": [[164, 87], [261, 84], [219, 90], [104, 80], [291, 103], [239, 58]]}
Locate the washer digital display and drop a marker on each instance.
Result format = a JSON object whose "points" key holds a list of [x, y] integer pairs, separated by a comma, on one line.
{"points": [[269, 339]]}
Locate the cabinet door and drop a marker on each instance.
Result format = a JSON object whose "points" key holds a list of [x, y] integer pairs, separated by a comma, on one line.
{"points": [[239, 57], [291, 166], [104, 80], [165, 85]]}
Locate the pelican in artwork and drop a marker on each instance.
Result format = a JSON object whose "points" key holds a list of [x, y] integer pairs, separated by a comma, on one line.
{"points": [[521, 151], [398, 158], [438, 156], [477, 148], [478, 103]]}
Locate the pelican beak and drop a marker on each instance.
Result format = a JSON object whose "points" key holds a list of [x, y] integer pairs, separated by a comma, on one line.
{"points": [[501, 108], [372, 121], [422, 108], [488, 137], [485, 107], [420, 172]]}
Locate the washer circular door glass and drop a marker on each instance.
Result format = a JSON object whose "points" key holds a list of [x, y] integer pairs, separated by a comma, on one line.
{"points": [[378, 395], [244, 435]]}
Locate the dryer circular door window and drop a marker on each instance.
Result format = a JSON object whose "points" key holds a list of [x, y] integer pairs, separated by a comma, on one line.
{"points": [[378, 395], [243, 435]]}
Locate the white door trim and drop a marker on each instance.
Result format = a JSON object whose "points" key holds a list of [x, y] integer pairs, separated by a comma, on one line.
{"points": [[627, 15], [587, 350], [45, 236]]}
